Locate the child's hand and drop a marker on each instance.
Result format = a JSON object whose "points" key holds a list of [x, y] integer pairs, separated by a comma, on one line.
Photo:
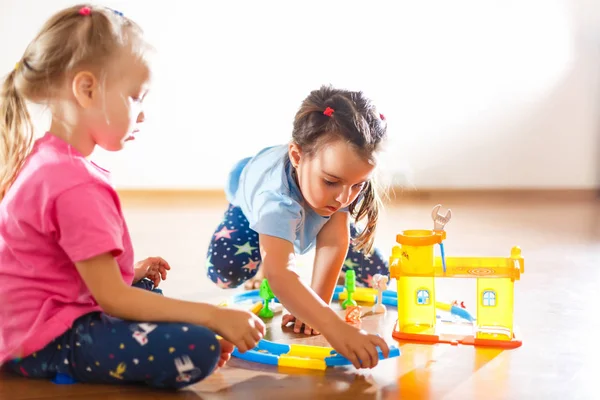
{"points": [[356, 345], [226, 350], [153, 268], [288, 318], [240, 327]]}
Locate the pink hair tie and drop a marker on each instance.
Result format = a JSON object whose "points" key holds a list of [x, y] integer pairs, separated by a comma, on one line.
{"points": [[328, 111], [382, 117], [85, 11]]}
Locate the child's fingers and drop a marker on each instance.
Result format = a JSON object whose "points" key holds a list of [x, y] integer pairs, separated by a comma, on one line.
{"points": [[287, 319], [157, 260], [382, 344], [226, 346], [352, 357], [163, 272], [297, 326], [307, 330], [261, 327], [154, 277], [163, 263]]}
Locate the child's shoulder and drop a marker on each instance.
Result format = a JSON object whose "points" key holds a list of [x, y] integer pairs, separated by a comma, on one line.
{"points": [[271, 156], [264, 168], [54, 167], [268, 169]]}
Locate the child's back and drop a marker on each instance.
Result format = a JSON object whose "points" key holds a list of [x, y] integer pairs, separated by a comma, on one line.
{"points": [[264, 188]]}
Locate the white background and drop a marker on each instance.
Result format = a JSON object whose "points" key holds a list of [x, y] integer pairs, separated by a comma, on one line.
{"points": [[478, 94]]}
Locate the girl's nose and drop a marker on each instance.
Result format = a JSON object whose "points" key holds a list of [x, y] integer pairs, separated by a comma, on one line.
{"points": [[343, 196]]}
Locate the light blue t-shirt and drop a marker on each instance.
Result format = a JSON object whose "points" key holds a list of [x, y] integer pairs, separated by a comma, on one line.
{"points": [[265, 190]]}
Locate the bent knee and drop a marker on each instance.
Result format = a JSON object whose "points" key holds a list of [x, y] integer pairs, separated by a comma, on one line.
{"points": [[195, 355], [225, 274], [204, 353], [224, 281]]}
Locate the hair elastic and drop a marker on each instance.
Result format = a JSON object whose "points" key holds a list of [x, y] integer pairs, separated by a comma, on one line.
{"points": [[85, 11], [382, 117], [119, 13], [328, 111]]}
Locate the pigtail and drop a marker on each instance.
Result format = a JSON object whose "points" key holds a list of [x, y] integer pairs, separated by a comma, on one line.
{"points": [[16, 131], [370, 206]]}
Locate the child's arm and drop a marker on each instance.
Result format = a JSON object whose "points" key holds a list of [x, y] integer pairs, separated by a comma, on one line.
{"points": [[277, 260], [356, 345], [103, 278], [332, 246]]}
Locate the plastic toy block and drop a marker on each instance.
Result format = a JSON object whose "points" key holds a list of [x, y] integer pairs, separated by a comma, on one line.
{"points": [[267, 295], [350, 289]]}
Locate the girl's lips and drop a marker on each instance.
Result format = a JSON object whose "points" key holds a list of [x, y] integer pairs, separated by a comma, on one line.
{"points": [[332, 209], [132, 135]]}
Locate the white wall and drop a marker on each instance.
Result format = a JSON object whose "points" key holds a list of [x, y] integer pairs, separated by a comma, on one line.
{"points": [[477, 93]]}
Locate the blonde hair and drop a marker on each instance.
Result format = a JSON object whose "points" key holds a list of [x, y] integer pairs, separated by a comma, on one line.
{"points": [[329, 113], [81, 36]]}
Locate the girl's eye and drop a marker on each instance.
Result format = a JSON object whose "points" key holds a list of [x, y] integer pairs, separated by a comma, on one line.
{"points": [[359, 185], [329, 183]]}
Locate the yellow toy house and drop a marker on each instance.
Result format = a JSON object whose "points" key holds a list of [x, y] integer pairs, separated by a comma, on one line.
{"points": [[415, 268]]}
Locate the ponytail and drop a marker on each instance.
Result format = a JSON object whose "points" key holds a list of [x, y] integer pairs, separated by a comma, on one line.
{"points": [[370, 205], [16, 132]]}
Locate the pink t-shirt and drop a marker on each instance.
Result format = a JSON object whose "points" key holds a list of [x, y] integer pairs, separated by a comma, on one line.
{"points": [[61, 209]]}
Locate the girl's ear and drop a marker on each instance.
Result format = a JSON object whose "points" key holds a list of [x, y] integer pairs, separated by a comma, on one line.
{"points": [[295, 154], [85, 88]]}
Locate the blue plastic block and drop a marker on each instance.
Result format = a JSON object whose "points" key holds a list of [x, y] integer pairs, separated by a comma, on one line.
{"points": [[63, 379], [257, 357]]}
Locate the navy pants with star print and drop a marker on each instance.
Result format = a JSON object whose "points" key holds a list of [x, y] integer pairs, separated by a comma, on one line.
{"points": [[234, 257], [102, 349]]}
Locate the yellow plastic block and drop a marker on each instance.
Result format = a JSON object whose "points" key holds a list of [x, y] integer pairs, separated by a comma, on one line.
{"points": [[359, 296], [299, 362], [257, 307], [308, 351]]}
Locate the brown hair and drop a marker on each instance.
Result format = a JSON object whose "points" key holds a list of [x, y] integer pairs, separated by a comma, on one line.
{"points": [[81, 36], [355, 120]]}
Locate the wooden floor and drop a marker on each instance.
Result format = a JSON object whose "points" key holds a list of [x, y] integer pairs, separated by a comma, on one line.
{"points": [[556, 302]]}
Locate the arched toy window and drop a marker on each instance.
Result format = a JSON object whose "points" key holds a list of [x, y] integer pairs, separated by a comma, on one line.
{"points": [[423, 297], [489, 298]]}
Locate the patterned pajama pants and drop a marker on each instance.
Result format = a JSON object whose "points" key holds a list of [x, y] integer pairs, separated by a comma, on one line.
{"points": [[102, 349], [234, 257]]}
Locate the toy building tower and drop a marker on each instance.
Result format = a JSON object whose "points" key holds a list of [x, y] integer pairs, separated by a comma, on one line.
{"points": [[415, 268]]}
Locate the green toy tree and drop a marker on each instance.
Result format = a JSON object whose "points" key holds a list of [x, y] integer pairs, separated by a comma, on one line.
{"points": [[267, 295], [350, 288]]}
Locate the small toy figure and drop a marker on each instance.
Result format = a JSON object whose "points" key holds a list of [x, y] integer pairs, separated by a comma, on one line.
{"points": [[379, 283], [461, 305], [350, 288], [353, 314], [267, 295]]}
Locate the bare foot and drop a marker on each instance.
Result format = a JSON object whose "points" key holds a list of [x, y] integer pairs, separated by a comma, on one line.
{"points": [[255, 281]]}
